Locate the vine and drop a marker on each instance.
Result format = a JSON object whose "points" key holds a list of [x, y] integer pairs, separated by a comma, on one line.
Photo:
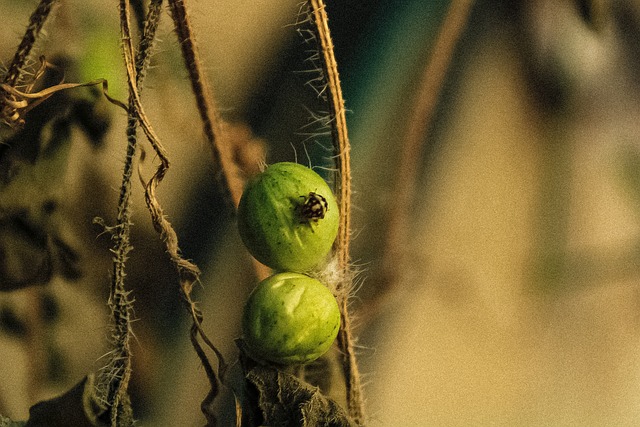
{"points": [[112, 383], [341, 148], [114, 379]]}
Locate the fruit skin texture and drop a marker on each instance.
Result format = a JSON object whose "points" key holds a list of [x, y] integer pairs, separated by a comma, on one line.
{"points": [[290, 318], [270, 221]]}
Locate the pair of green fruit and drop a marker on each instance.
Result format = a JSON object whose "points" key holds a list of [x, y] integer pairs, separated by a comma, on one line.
{"points": [[288, 220]]}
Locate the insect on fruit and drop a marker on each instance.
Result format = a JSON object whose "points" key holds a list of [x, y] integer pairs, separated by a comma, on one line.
{"points": [[288, 218], [289, 318], [314, 207]]}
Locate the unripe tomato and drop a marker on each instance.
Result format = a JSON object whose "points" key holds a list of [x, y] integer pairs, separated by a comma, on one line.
{"points": [[288, 217], [290, 318]]}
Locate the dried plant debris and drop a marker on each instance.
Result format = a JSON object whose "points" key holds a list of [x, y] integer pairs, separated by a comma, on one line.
{"points": [[285, 400], [36, 240], [9, 106]]}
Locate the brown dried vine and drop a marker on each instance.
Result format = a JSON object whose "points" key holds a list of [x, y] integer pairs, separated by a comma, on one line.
{"points": [[341, 149], [228, 173], [421, 114], [8, 109], [188, 272], [211, 123], [36, 22], [228, 178], [113, 382]]}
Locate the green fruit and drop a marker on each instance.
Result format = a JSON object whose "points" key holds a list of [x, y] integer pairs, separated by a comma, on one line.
{"points": [[288, 217], [290, 318]]}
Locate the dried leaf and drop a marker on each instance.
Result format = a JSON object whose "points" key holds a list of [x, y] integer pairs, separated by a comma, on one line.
{"points": [[285, 400]]}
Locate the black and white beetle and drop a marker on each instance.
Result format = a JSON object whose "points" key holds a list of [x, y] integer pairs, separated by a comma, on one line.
{"points": [[313, 208]]}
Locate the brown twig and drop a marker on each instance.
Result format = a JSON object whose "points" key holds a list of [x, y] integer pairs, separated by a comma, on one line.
{"points": [[339, 134], [341, 148], [187, 271], [19, 103], [421, 114]]}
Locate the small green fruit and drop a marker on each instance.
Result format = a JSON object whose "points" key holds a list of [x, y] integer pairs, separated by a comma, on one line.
{"points": [[288, 217], [290, 318]]}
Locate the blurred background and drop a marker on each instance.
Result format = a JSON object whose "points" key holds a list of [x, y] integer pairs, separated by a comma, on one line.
{"points": [[514, 296]]}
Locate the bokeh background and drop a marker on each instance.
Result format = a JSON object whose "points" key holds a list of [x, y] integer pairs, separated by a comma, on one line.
{"points": [[515, 297]]}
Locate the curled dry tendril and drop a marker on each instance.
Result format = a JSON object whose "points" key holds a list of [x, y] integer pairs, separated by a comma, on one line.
{"points": [[16, 103]]}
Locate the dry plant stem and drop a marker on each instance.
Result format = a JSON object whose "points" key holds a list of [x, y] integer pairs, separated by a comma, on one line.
{"points": [[187, 271], [36, 21], [118, 371], [229, 176], [210, 120], [339, 134], [17, 105], [421, 115], [222, 157], [342, 158], [9, 106]]}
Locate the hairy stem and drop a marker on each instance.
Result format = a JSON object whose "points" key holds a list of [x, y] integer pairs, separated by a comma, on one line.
{"points": [[339, 134], [36, 22], [115, 377], [341, 148], [227, 171], [211, 122], [9, 109]]}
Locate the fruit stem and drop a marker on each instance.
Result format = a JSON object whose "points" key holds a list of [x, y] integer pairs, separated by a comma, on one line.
{"points": [[340, 139], [228, 173]]}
